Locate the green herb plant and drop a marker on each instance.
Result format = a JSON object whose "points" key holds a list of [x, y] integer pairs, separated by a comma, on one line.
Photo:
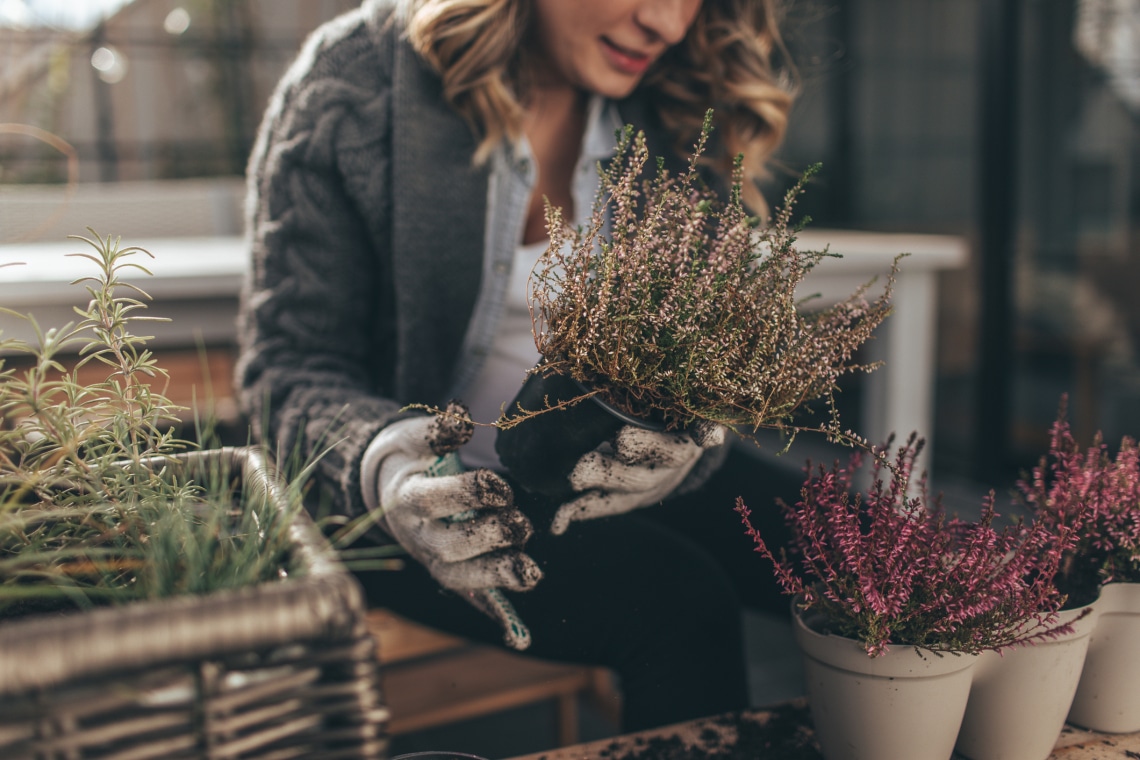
{"points": [[97, 504]]}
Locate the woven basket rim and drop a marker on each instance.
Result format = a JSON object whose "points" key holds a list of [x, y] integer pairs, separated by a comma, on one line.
{"points": [[326, 602]]}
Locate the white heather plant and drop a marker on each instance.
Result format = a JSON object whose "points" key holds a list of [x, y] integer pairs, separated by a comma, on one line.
{"points": [[689, 310]]}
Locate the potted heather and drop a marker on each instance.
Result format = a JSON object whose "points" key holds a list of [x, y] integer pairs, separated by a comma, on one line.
{"points": [[686, 311], [1104, 564], [1020, 697], [156, 599], [895, 601]]}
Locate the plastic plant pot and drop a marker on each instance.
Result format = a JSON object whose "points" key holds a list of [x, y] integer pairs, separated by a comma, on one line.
{"points": [[540, 452]]}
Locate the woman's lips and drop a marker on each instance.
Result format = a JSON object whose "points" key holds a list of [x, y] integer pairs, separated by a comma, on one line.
{"points": [[625, 60]]}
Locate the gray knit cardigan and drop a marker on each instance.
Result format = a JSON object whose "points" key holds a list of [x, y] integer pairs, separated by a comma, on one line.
{"points": [[365, 217]]}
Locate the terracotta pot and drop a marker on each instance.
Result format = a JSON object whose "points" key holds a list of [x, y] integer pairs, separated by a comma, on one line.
{"points": [[907, 703], [1019, 698], [541, 452], [1108, 695]]}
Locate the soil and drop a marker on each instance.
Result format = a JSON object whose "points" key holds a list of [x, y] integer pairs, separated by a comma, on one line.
{"points": [[492, 490], [785, 735], [451, 429]]}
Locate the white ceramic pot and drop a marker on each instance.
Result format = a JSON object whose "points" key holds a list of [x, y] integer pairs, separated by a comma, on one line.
{"points": [[1108, 696], [1019, 698], [907, 703]]}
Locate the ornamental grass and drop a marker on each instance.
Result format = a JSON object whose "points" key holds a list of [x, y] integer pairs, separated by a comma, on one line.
{"points": [[688, 310], [885, 568]]}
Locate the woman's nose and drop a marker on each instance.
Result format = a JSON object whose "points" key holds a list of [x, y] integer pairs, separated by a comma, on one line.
{"points": [[668, 20]]}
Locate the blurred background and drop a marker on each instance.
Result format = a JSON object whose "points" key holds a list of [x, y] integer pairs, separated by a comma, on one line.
{"points": [[1011, 124]]}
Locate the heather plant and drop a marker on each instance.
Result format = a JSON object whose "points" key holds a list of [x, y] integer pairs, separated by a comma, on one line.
{"points": [[886, 568], [688, 309], [1096, 495]]}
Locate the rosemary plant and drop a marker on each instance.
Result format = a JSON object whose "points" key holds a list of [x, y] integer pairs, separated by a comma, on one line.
{"points": [[96, 504]]}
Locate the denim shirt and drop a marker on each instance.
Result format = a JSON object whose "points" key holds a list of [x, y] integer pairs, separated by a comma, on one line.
{"points": [[512, 180]]}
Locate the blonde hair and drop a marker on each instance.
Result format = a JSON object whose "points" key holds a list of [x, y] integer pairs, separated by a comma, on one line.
{"points": [[732, 60]]}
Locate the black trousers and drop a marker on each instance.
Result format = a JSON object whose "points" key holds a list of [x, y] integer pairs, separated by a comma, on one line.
{"points": [[656, 594]]}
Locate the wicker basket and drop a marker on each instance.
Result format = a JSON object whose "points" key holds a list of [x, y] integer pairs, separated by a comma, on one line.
{"points": [[281, 670]]}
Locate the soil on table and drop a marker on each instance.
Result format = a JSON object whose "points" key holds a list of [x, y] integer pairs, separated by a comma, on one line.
{"points": [[784, 735]]}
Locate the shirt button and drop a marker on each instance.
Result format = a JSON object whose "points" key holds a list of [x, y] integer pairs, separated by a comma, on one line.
{"points": [[500, 267]]}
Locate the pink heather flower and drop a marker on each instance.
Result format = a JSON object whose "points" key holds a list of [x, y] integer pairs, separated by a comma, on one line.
{"points": [[888, 568], [1094, 496]]}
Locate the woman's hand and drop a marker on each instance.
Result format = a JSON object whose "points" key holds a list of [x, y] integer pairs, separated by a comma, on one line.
{"points": [[644, 468], [462, 526]]}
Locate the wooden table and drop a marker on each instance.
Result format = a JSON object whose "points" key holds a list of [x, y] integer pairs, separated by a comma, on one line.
{"points": [[784, 733]]}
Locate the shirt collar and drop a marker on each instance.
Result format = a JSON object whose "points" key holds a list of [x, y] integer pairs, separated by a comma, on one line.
{"points": [[603, 122], [602, 125]]}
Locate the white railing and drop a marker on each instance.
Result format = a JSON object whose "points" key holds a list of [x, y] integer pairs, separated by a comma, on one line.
{"points": [[899, 396], [197, 280]]}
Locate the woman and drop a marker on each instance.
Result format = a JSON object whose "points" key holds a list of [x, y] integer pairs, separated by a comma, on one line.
{"points": [[395, 209]]}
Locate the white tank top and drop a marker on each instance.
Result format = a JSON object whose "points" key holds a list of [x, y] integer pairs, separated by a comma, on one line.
{"points": [[504, 370]]}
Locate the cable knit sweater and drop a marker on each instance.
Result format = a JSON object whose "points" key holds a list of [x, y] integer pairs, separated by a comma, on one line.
{"points": [[365, 217]]}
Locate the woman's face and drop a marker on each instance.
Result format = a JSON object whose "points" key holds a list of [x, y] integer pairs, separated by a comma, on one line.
{"points": [[605, 46]]}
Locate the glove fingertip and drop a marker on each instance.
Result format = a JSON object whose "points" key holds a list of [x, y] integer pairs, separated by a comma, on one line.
{"points": [[528, 572], [492, 602], [707, 434], [560, 523], [492, 490], [517, 637], [450, 429]]}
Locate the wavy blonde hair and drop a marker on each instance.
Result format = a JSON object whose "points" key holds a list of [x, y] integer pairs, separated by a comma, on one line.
{"points": [[732, 60]]}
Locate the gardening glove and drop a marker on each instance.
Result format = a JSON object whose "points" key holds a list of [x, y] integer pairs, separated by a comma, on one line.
{"points": [[643, 468], [462, 526]]}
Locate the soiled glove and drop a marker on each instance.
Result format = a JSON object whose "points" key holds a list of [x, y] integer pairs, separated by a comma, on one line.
{"points": [[462, 526], [644, 467]]}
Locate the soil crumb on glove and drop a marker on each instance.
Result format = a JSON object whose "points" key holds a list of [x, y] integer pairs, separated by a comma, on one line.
{"points": [[451, 429], [526, 570], [492, 490]]}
